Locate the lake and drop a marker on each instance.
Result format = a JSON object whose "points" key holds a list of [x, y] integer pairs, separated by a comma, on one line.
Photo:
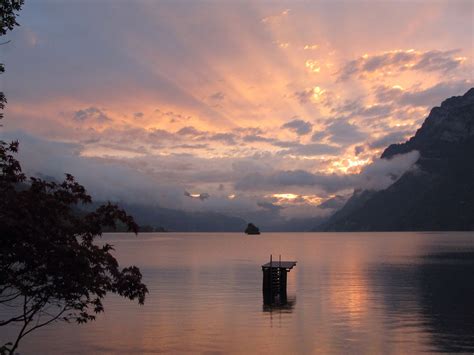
{"points": [[349, 293]]}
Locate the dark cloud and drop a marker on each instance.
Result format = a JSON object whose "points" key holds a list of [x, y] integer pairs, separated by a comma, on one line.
{"points": [[91, 114], [191, 146], [379, 175], [190, 131], [344, 132], [292, 178], [387, 93], [393, 137], [202, 196], [434, 95], [269, 206], [138, 114], [286, 144], [373, 111], [304, 96], [319, 136], [218, 96], [402, 60], [312, 149], [157, 134], [251, 138], [226, 138], [173, 117], [336, 202], [359, 149], [298, 126], [248, 130], [347, 106]]}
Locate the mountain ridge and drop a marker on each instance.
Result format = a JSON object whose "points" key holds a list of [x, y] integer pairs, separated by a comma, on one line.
{"points": [[438, 194]]}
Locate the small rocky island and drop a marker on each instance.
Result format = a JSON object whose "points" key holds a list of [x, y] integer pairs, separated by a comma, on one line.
{"points": [[252, 229]]}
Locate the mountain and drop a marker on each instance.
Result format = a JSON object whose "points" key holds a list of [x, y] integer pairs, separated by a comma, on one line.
{"points": [[183, 221], [206, 221], [438, 194]]}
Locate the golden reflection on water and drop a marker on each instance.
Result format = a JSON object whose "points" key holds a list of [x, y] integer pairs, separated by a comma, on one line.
{"points": [[349, 293]]}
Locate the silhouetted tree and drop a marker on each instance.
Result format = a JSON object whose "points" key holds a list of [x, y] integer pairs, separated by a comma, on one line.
{"points": [[51, 268], [8, 13]]}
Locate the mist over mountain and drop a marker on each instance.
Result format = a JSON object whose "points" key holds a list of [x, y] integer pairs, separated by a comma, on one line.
{"points": [[174, 220], [437, 194]]}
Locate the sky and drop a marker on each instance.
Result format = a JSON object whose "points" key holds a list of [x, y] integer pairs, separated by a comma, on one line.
{"points": [[230, 106]]}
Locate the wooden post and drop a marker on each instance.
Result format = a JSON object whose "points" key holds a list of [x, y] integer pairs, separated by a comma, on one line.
{"points": [[271, 279], [283, 278], [267, 286]]}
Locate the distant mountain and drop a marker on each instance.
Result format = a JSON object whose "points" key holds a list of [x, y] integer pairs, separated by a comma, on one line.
{"points": [[438, 194], [183, 221]]}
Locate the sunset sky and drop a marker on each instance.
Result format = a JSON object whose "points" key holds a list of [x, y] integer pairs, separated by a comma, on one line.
{"points": [[229, 105]]}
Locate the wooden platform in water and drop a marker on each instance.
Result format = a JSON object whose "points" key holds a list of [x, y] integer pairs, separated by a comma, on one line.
{"points": [[287, 265]]}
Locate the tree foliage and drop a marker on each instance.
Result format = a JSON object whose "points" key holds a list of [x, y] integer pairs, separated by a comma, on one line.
{"points": [[51, 269], [8, 13]]}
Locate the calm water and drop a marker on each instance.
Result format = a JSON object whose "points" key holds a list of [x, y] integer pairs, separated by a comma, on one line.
{"points": [[350, 292]]}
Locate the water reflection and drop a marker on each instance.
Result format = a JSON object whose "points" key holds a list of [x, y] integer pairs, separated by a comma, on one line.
{"points": [[286, 307], [435, 294], [397, 293]]}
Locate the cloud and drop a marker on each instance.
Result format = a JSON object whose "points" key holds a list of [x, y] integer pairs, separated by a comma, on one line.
{"points": [[384, 172], [342, 132], [434, 94], [227, 138], [402, 60], [359, 150], [172, 117], [292, 178], [417, 97], [251, 138], [310, 47], [190, 131], [387, 93], [218, 96], [379, 175], [201, 196], [269, 206], [311, 149], [276, 18], [104, 179], [390, 138], [298, 126], [374, 110], [153, 134], [191, 146], [91, 114], [310, 94], [335, 202]]}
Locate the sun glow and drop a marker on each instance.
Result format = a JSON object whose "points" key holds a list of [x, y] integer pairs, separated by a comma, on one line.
{"points": [[286, 196], [313, 66], [349, 165], [290, 198], [317, 93], [311, 47]]}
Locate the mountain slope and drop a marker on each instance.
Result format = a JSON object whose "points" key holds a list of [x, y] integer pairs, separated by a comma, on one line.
{"points": [[438, 194]]}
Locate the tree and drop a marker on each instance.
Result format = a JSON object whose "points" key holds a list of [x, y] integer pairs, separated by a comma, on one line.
{"points": [[51, 268], [8, 13]]}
